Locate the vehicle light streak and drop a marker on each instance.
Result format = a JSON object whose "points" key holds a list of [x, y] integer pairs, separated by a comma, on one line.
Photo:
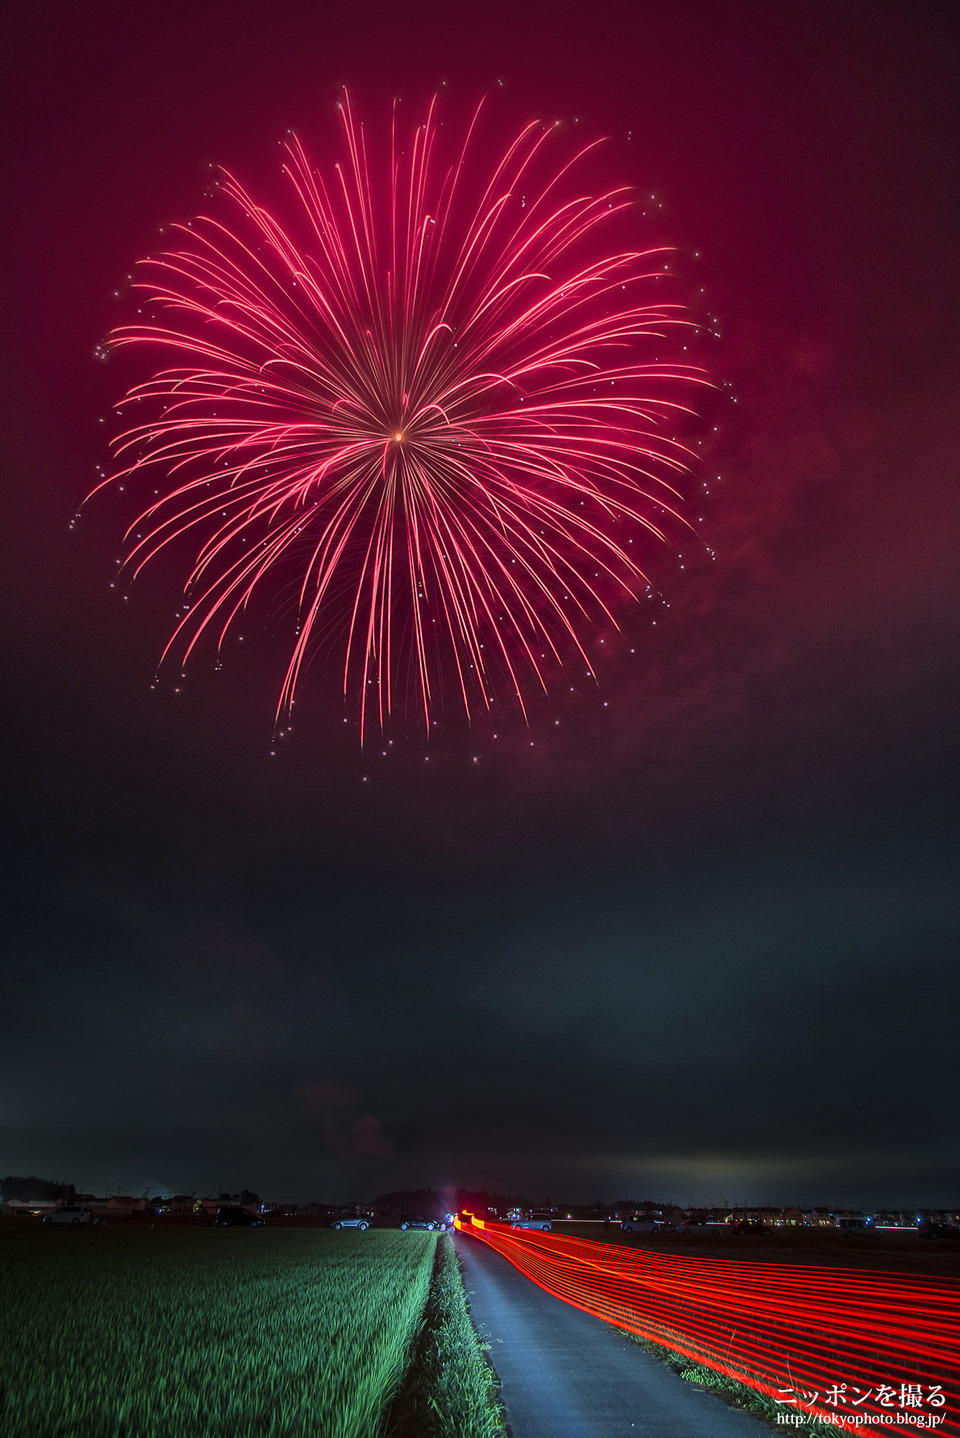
{"points": [[793, 1332]]}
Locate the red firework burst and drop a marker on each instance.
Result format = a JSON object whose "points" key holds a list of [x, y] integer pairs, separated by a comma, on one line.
{"points": [[436, 408]]}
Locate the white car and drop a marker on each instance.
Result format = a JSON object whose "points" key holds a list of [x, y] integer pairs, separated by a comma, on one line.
{"points": [[361, 1223], [542, 1225], [68, 1215]]}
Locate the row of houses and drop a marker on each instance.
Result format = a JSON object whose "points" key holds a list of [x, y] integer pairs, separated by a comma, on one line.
{"points": [[185, 1205], [765, 1216]]}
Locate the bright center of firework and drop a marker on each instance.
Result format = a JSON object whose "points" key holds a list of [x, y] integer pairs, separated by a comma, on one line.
{"points": [[399, 436]]}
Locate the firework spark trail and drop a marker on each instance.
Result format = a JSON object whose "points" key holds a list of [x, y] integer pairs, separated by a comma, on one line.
{"points": [[443, 418]]}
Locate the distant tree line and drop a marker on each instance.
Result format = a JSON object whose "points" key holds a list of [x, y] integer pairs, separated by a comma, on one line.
{"points": [[35, 1190]]}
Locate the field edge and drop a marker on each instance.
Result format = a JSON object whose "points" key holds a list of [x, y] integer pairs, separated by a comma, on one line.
{"points": [[450, 1389]]}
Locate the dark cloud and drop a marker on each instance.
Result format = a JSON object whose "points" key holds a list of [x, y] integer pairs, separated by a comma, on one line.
{"points": [[790, 1036], [690, 930]]}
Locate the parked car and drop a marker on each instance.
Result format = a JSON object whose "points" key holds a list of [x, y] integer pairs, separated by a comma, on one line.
{"points": [[541, 1225], [68, 1215], [362, 1223], [238, 1218], [428, 1223], [639, 1225], [931, 1229]]}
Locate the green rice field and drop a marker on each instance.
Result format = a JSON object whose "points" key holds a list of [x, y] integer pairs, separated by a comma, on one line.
{"points": [[198, 1333]]}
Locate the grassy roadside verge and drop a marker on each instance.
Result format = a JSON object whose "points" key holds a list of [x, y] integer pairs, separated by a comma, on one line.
{"points": [[450, 1391], [738, 1395]]}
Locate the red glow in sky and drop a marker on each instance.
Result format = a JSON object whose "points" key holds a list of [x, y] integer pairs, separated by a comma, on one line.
{"points": [[691, 933]]}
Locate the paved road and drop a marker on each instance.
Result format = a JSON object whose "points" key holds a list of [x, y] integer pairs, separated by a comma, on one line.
{"points": [[565, 1374]]}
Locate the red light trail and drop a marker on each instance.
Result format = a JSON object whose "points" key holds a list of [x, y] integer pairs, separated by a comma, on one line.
{"points": [[836, 1344], [427, 419]]}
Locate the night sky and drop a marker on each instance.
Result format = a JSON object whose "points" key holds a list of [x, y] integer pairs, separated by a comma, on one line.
{"points": [[691, 933]]}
